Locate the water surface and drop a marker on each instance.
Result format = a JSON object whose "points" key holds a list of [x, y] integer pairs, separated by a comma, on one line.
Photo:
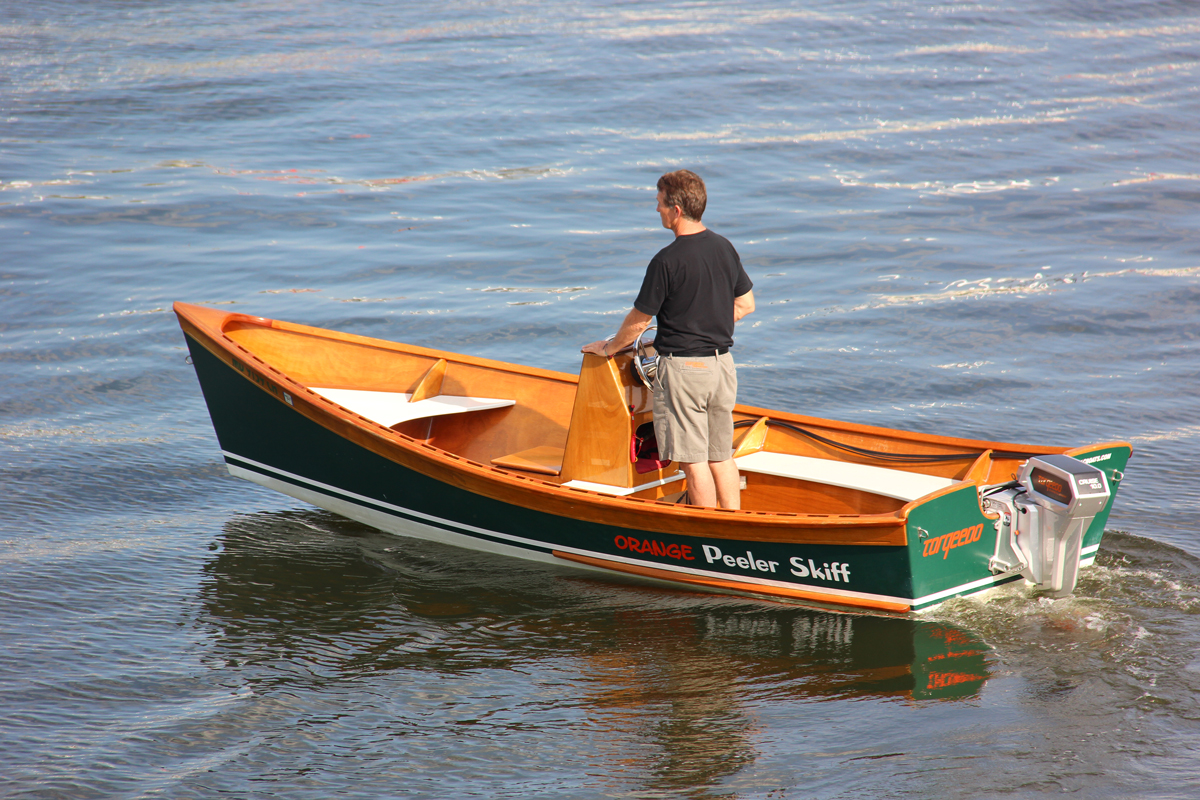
{"points": [[969, 218]]}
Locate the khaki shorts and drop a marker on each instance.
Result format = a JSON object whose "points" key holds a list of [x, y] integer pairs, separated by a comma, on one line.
{"points": [[693, 408]]}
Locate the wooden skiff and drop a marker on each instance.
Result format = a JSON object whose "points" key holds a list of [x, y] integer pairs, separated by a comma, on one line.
{"points": [[542, 465]]}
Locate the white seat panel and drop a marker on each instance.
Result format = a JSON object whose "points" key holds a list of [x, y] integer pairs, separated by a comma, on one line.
{"points": [[622, 491], [896, 483], [391, 408]]}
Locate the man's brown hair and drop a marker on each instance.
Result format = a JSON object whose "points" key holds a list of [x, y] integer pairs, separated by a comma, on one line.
{"points": [[685, 189]]}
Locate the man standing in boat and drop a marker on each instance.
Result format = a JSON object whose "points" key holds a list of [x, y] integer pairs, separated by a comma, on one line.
{"points": [[697, 288]]}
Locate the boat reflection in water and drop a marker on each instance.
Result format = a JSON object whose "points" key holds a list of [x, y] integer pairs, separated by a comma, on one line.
{"points": [[317, 609]]}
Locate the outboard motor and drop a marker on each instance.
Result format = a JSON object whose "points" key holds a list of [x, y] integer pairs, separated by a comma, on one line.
{"points": [[1043, 519]]}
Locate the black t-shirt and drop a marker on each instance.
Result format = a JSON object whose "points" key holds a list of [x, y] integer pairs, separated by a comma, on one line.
{"points": [[690, 286]]}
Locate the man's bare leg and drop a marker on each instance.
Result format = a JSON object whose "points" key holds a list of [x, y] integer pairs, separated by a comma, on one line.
{"points": [[700, 487], [713, 482], [728, 482]]}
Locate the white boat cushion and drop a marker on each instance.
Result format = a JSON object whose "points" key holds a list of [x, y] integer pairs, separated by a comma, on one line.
{"points": [[622, 491], [391, 408], [878, 480]]}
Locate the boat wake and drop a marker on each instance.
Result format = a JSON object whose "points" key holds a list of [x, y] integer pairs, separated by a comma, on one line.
{"points": [[1125, 606]]}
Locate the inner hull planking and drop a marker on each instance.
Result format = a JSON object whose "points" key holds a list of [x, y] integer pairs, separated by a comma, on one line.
{"points": [[542, 465]]}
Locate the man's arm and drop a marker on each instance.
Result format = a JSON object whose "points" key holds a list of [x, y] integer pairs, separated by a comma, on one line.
{"points": [[743, 305], [635, 322]]}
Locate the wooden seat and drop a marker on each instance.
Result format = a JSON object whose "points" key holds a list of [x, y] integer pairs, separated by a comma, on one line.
{"points": [[544, 460], [392, 408], [896, 483]]}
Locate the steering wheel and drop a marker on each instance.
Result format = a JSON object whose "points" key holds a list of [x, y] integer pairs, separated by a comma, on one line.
{"points": [[645, 359]]}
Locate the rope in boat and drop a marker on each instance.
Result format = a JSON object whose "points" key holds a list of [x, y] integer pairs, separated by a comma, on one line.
{"points": [[899, 458]]}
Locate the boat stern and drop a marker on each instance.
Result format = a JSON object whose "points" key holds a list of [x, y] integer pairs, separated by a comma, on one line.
{"points": [[1042, 527]]}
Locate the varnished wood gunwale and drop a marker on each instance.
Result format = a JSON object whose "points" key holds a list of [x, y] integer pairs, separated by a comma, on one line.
{"points": [[207, 327]]}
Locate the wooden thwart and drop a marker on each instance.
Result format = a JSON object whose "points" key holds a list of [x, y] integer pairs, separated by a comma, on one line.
{"points": [[544, 460]]}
